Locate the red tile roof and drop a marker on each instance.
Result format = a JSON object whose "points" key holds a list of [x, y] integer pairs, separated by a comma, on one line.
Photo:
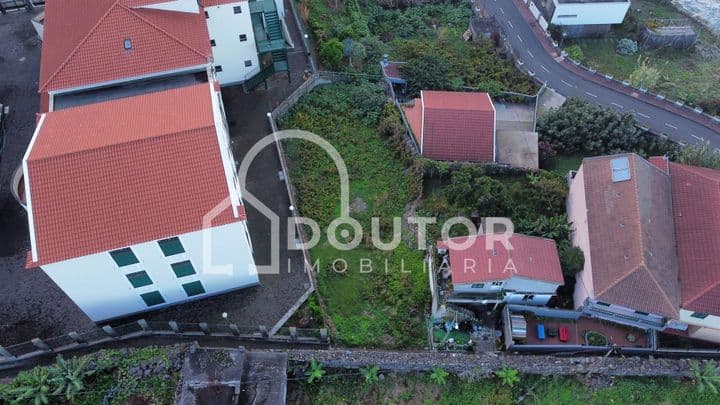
{"points": [[631, 234], [532, 258], [392, 69], [83, 42], [458, 126], [413, 114], [109, 175], [696, 204]]}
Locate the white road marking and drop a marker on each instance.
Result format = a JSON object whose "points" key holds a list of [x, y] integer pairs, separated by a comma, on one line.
{"points": [[501, 10], [544, 68], [617, 105], [671, 126], [510, 24], [698, 138], [643, 115], [520, 38], [566, 83], [531, 55], [590, 94]]}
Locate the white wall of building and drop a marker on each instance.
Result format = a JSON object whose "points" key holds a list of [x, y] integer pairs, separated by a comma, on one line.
{"points": [[225, 28], [707, 328], [516, 290], [183, 6], [590, 13], [580, 237], [101, 289]]}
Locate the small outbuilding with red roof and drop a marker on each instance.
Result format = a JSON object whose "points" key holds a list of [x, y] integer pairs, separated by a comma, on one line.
{"points": [[525, 270], [456, 126]]}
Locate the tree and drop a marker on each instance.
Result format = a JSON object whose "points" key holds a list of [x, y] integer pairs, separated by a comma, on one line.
{"points": [[575, 53], [546, 153], [428, 72], [370, 373], [67, 377], [627, 46], [32, 386], [331, 53], [644, 76], [508, 376], [706, 378], [702, 155], [581, 127], [438, 375], [572, 259], [315, 373]]}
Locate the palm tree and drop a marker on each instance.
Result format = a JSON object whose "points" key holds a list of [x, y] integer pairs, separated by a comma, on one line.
{"points": [[438, 375], [508, 376], [32, 387], [706, 377], [67, 376], [315, 373]]}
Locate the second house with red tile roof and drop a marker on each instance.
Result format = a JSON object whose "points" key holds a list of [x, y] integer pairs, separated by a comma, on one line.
{"points": [[484, 270], [134, 204]]}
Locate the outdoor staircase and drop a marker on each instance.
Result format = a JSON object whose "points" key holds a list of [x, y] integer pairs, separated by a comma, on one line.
{"points": [[273, 26], [251, 83]]}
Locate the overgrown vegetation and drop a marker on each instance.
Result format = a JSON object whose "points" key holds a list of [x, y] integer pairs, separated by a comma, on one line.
{"points": [[417, 388], [690, 75], [147, 375], [353, 36], [385, 306]]}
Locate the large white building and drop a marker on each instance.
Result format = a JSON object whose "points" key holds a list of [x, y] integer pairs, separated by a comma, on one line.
{"points": [[583, 17], [134, 204], [103, 44]]}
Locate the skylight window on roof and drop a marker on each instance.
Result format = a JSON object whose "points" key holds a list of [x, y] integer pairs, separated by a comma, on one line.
{"points": [[127, 44], [620, 169]]}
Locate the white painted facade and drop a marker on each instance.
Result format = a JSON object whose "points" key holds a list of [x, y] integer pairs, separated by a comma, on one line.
{"points": [[707, 328], [590, 13], [183, 6], [515, 290], [101, 289], [229, 52]]}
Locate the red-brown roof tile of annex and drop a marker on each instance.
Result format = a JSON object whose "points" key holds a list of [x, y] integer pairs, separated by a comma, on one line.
{"points": [[531, 258], [84, 40], [413, 114], [632, 237], [113, 174], [696, 203], [458, 126]]}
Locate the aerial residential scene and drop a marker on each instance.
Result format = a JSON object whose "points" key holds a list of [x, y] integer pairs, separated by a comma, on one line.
{"points": [[359, 201]]}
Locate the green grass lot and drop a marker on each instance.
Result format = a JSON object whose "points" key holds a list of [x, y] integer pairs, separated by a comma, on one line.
{"points": [[384, 307], [417, 389], [686, 74]]}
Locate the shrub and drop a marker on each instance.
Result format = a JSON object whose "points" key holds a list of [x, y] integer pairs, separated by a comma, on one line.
{"points": [[644, 76], [627, 47], [706, 378], [702, 155], [370, 373], [572, 258], [331, 53], [428, 72], [508, 376], [575, 53], [711, 106], [315, 373], [546, 153], [67, 377], [438, 375], [32, 386]]}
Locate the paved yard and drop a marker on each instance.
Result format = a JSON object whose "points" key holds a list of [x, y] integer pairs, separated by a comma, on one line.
{"points": [[31, 305]]}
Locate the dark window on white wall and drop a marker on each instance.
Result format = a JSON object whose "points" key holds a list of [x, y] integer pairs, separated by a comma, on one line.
{"points": [[218, 68], [212, 42], [243, 37], [248, 63], [207, 15], [237, 9]]}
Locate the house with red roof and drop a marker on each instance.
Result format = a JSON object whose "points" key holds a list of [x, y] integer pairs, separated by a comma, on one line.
{"points": [[695, 205], [455, 126], [134, 203], [620, 208], [486, 270], [103, 44]]}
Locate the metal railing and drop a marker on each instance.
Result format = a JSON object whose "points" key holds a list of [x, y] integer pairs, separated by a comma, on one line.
{"points": [[12, 355]]}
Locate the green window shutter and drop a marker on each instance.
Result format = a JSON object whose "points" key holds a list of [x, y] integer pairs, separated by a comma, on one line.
{"points": [[152, 298], [139, 279], [183, 269], [171, 246], [699, 315], [124, 257], [194, 288]]}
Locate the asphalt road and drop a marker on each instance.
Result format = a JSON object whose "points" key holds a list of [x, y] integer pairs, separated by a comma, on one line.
{"points": [[535, 58]]}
